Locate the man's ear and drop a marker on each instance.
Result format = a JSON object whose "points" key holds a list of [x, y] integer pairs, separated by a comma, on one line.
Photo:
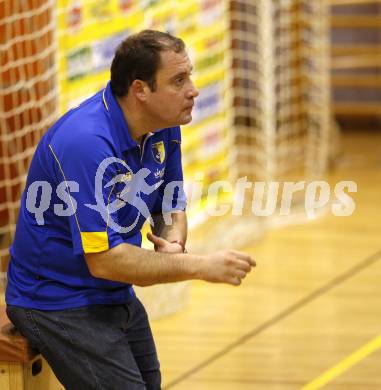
{"points": [[139, 89]]}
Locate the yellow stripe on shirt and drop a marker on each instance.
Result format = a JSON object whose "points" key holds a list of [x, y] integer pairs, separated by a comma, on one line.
{"points": [[94, 242]]}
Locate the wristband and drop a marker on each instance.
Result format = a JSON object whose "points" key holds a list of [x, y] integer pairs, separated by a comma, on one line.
{"points": [[181, 244]]}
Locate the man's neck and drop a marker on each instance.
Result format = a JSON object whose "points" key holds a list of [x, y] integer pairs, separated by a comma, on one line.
{"points": [[138, 124]]}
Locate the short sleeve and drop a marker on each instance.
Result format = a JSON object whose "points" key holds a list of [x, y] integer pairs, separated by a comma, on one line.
{"points": [[87, 166]]}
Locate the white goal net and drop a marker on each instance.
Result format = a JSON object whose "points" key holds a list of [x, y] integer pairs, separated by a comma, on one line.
{"points": [[28, 96]]}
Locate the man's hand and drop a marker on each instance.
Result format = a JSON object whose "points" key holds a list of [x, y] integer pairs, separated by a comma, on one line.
{"points": [[164, 246], [229, 266]]}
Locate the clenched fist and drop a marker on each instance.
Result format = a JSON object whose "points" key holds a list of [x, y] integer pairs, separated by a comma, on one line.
{"points": [[229, 266]]}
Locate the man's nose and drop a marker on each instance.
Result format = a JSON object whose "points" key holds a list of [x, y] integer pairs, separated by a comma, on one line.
{"points": [[193, 92]]}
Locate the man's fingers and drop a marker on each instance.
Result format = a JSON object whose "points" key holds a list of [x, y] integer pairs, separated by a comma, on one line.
{"points": [[245, 257], [235, 281], [240, 274], [151, 237], [243, 265], [155, 239]]}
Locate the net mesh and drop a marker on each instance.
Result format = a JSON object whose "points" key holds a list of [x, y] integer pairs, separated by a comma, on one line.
{"points": [[28, 96], [280, 98]]}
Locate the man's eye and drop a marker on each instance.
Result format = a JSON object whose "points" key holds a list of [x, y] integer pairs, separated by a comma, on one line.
{"points": [[179, 81]]}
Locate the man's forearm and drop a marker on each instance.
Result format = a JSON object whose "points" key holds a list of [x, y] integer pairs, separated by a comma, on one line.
{"points": [[130, 264]]}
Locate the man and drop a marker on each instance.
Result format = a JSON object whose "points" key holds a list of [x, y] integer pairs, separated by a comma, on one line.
{"points": [[96, 176]]}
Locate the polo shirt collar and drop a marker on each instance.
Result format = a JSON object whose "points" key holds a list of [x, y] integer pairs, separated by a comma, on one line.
{"points": [[117, 117]]}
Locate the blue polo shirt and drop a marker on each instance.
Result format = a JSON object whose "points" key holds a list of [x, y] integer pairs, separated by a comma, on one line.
{"points": [[89, 188]]}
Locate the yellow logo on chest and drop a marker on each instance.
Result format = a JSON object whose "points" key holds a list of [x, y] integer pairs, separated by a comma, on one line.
{"points": [[158, 151]]}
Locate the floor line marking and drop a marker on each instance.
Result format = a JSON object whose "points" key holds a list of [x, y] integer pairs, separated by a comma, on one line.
{"points": [[344, 364], [278, 317]]}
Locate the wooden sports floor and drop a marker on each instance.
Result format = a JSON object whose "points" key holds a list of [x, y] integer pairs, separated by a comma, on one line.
{"points": [[308, 317]]}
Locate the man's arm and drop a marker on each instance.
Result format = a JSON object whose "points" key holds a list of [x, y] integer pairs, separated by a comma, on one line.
{"points": [[169, 238], [130, 264], [176, 231]]}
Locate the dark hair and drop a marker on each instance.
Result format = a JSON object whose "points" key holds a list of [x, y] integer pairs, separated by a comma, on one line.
{"points": [[138, 57]]}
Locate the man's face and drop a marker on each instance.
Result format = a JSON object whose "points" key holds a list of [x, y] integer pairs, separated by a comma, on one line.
{"points": [[172, 101]]}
